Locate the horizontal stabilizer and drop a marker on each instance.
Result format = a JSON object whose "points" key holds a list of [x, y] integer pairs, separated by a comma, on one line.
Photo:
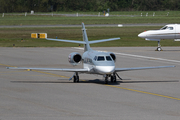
{"points": [[71, 41], [103, 40], [83, 42]]}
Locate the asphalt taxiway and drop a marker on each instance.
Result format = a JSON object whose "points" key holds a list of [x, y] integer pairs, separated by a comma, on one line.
{"points": [[141, 95]]}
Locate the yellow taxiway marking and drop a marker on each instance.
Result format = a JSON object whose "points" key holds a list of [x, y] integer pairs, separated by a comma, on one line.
{"points": [[38, 71], [139, 91], [50, 74], [7, 65], [144, 92]]}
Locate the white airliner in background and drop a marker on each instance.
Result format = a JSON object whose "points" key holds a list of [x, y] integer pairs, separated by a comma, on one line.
{"points": [[170, 31], [94, 62]]}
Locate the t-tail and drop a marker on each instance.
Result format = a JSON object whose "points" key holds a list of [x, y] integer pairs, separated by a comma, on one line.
{"points": [[85, 40]]}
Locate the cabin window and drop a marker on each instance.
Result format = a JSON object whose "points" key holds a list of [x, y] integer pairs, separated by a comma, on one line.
{"points": [[108, 58], [100, 58]]}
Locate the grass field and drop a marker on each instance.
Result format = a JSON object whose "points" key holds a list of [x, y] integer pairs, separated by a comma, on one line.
{"points": [[20, 37], [56, 20], [126, 17]]}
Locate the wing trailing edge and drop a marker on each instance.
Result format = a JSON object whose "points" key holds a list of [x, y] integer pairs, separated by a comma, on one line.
{"points": [[50, 69], [141, 68]]}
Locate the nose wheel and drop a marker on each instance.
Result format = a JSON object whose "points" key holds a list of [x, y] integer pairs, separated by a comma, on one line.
{"points": [[106, 79], [159, 47], [113, 77]]}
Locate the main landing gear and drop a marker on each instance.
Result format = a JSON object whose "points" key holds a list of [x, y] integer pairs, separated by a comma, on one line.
{"points": [[76, 77], [159, 47], [112, 78]]}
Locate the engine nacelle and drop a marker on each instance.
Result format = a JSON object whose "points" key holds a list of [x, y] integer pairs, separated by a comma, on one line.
{"points": [[113, 56], [74, 58]]}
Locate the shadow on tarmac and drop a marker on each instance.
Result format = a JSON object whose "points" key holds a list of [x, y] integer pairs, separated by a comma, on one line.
{"points": [[95, 81]]}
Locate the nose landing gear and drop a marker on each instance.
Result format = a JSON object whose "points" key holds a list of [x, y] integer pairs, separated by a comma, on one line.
{"points": [[113, 78], [159, 47]]}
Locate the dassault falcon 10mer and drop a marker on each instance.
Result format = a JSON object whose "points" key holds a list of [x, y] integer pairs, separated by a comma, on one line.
{"points": [[170, 31], [94, 62]]}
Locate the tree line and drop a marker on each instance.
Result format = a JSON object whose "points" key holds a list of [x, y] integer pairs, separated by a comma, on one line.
{"points": [[7, 6]]}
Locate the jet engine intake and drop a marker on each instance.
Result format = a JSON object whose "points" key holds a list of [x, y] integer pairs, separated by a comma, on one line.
{"points": [[74, 58], [113, 56]]}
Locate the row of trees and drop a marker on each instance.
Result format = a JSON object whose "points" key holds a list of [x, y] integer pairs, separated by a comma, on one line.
{"points": [[87, 5]]}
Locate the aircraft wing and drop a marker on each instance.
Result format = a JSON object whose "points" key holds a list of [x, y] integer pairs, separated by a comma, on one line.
{"points": [[140, 68], [50, 69], [103, 40], [71, 41]]}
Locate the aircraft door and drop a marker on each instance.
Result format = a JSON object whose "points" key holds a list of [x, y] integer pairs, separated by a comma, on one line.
{"points": [[170, 32], [175, 32]]}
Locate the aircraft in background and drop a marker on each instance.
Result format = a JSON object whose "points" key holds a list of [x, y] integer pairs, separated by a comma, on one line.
{"points": [[170, 31], [94, 62]]}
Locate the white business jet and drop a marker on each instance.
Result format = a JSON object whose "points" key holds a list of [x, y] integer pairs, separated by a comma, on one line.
{"points": [[94, 62], [170, 31]]}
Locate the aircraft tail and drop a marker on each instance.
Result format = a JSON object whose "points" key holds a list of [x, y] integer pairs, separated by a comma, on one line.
{"points": [[85, 38]]}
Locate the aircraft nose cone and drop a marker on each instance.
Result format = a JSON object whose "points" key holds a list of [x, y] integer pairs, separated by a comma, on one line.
{"points": [[105, 69], [142, 35]]}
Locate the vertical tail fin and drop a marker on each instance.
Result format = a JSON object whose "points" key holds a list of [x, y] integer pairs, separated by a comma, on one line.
{"points": [[85, 38]]}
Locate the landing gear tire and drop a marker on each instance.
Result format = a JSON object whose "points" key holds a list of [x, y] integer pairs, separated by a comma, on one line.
{"points": [[106, 80], [159, 49], [113, 78], [76, 78]]}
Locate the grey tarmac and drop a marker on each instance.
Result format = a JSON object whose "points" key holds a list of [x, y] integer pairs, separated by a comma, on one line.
{"points": [[49, 95]]}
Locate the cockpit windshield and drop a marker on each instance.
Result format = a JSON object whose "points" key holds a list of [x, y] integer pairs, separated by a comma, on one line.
{"points": [[166, 28], [108, 58], [102, 58], [163, 28]]}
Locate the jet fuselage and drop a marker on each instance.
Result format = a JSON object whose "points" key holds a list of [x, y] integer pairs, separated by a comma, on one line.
{"points": [[170, 31], [98, 62]]}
